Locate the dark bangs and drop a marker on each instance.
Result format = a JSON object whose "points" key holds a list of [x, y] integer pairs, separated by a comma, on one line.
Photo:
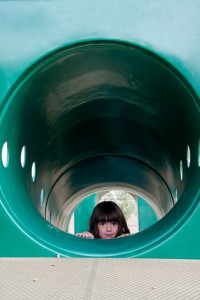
{"points": [[108, 215]]}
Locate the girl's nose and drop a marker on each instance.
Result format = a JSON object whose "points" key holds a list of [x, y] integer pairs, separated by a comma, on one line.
{"points": [[108, 226]]}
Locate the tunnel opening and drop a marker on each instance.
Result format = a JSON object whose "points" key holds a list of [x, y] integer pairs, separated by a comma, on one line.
{"points": [[138, 212], [92, 116]]}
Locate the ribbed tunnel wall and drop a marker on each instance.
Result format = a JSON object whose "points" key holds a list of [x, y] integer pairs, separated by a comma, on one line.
{"points": [[92, 116]]}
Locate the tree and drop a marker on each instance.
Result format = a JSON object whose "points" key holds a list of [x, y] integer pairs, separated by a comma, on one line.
{"points": [[122, 198]]}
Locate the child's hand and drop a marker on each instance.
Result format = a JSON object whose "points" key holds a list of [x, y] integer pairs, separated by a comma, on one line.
{"points": [[124, 234], [85, 234]]}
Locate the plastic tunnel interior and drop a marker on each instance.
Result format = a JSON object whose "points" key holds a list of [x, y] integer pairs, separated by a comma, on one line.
{"points": [[92, 116]]}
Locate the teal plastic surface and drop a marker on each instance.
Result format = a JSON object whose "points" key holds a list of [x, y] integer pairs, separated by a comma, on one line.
{"points": [[83, 213], [146, 215]]}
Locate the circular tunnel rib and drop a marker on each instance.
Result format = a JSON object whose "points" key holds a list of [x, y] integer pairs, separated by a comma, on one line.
{"points": [[102, 172], [100, 115]]}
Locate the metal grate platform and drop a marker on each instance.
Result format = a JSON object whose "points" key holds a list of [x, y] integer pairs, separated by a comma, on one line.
{"points": [[99, 279]]}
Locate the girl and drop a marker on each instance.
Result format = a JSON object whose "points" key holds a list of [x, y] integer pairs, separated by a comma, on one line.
{"points": [[107, 222]]}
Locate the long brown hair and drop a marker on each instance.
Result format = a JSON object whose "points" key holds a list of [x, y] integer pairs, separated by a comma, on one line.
{"points": [[107, 211]]}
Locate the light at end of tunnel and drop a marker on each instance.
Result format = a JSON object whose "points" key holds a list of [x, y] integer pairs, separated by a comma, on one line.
{"points": [[176, 195], [42, 197], [181, 170], [23, 156], [5, 155], [188, 156], [33, 172]]}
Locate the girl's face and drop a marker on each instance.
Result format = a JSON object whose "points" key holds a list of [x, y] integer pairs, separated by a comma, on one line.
{"points": [[107, 230]]}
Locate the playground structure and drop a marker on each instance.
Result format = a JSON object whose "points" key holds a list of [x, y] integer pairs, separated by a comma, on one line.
{"points": [[102, 107]]}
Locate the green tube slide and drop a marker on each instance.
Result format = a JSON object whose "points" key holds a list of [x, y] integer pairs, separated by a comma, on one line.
{"points": [[93, 115]]}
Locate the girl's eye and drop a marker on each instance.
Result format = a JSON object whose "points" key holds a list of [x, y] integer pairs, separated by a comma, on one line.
{"points": [[102, 223], [114, 223]]}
